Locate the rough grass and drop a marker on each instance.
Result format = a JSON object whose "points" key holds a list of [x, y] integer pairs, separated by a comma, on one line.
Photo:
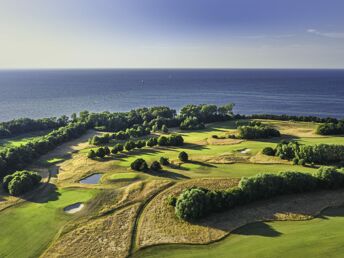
{"points": [[27, 229], [161, 226], [320, 237], [21, 139], [107, 236]]}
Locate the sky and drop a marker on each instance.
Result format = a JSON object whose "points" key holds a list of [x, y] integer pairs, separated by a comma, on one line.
{"points": [[171, 34]]}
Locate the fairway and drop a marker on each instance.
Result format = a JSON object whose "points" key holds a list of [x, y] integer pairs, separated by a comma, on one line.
{"points": [[320, 237], [27, 229]]}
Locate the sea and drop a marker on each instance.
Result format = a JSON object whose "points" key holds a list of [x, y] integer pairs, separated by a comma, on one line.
{"points": [[47, 93]]}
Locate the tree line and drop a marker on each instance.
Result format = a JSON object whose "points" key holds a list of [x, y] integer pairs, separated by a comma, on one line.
{"points": [[26, 125], [257, 132], [333, 128], [194, 203], [16, 158], [323, 154], [20, 182]]}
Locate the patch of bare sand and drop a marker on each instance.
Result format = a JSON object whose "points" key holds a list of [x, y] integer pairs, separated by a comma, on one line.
{"points": [[159, 224], [108, 236]]}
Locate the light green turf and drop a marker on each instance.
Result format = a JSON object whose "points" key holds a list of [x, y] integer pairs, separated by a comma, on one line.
{"points": [[27, 229], [123, 176], [21, 139], [321, 237]]}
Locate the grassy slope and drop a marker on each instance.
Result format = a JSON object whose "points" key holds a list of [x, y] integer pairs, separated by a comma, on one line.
{"points": [[321, 237], [21, 139], [28, 228]]}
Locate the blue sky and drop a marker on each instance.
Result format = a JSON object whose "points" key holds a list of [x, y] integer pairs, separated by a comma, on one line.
{"points": [[172, 33]]}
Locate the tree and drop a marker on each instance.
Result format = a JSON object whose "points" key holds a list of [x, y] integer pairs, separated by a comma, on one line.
{"points": [[164, 129], [139, 165], [129, 145], [21, 182], [183, 156], [163, 141], [268, 151], [155, 166], [91, 154], [152, 142], [106, 150], [100, 152], [164, 161]]}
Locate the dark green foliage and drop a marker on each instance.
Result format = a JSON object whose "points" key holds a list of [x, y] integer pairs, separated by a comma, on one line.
{"points": [[319, 154], [257, 132], [268, 151], [329, 178], [183, 156], [91, 154], [163, 141], [164, 161], [292, 118], [191, 123], [172, 200], [117, 148], [16, 158], [331, 128], [194, 203], [101, 152], [107, 151], [129, 145], [164, 129], [21, 182], [26, 125], [172, 140], [155, 166], [139, 165], [247, 123], [152, 142], [140, 144]]}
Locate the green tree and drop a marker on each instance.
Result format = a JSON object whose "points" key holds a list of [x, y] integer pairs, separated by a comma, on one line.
{"points": [[183, 156]]}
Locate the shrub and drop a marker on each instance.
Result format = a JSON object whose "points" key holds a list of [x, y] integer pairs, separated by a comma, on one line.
{"points": [[106, 150], [155, 166], [268, 151], [101, 152], [256, 132], [152, 142], [91, 154], [129, 145], [183, 156], [329, 178], [171, 200], [117, 148], [192, 204], [164, 161], [164, 129], [191, 123], [302, 162], [163, 141], [139, 165], [21, 182]]}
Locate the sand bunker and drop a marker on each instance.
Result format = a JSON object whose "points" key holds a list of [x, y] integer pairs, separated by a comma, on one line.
{"points": [[74, 208], [245, 151]]}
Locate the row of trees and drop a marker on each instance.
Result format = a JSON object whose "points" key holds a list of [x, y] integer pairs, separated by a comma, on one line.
{"points": [[26, 125], [172, 140], [135, 132], [20, 182], [194, 203], [322, 154], [331, 128], [257, 132], [290, 118], [16, 158]]}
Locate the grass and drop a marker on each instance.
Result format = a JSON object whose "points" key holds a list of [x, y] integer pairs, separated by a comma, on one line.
{"points": [[21, 139], [320, 237], [27, 229]]}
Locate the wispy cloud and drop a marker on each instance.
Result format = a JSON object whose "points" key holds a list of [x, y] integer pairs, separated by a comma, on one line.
{"points": [[265, 36], [334, 35]]}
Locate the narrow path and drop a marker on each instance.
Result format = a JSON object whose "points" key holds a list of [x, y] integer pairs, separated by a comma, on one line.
{"points": [[138, 215]]}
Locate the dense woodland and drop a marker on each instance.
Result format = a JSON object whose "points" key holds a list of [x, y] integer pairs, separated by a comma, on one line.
{"points": [[27, 125]]}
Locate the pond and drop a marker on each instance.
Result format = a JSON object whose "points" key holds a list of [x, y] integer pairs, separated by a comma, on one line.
{"points": [[92, 179]]}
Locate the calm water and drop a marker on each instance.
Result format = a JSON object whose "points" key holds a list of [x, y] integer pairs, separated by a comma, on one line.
{"points": [[43, 93]]}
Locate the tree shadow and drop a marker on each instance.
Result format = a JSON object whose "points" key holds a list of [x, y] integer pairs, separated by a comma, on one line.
{"points": [[203, 164], [257, 229], [168, 174], [178, 166], [46, 194]]}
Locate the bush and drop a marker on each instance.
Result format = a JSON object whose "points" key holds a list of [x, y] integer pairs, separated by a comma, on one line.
{"points": [[257, 132], [152, 142], [268, 151], [21, 182], [329, 178], [164, 161], [192, 204], [101, 152], [139, 165], [91, 154], [163, 141], [191, 123], [117, 148], [171, 200], [155, 166], [183, 156], [164, 129], [129, 145], [106, 150]]}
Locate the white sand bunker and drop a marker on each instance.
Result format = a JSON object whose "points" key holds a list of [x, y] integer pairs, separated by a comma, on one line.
{"points": [[74, 208], [245, 151]]}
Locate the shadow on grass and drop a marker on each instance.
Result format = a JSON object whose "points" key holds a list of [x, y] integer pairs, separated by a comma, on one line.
{"points": [[46, 194], [203, 164], [168, 174], [257, 229]]}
